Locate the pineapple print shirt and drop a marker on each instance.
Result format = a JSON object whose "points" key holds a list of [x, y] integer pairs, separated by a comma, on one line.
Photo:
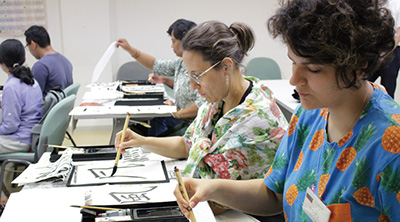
{"points": [[243, 141], [358, 177]]}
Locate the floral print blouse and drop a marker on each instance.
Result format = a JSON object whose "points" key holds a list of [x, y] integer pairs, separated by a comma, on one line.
{"points": [[239, 145]]}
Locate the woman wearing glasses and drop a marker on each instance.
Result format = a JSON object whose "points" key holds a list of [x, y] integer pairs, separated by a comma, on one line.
{"points": [[237, 132]]}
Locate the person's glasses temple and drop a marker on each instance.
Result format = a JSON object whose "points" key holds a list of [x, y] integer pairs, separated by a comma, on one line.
{"points": [[197, 77]]}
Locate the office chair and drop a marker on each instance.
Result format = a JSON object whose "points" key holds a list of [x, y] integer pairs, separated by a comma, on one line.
{"points": [[130, 71], [53, 131], [72, 89], [133, 71], [263, 68]]}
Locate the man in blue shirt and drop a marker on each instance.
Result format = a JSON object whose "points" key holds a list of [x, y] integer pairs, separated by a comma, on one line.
{"points": [[53, 69]]}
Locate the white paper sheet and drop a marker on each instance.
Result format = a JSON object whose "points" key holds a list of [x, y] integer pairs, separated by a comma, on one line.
{"points": [[232, 215], [133, 194], [202, 212], [58, 170], [133, 172], [103, 61]]}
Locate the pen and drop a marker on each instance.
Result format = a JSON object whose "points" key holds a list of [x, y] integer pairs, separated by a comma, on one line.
{"points": [[184, 192]]}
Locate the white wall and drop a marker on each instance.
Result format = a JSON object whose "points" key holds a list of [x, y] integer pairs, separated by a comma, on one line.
{"points": [[83, 29]]}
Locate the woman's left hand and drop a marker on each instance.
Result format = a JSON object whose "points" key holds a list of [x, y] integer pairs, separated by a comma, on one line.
{"points": [[169, 102], [157, 78]]}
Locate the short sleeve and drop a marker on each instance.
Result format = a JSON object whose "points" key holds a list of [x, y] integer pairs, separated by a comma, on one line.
{"points": [[40, 73]]}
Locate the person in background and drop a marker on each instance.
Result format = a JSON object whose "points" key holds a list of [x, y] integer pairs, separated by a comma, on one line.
{"points": [[389, 72], [342, 146], [52, 70], [21, 99], [187, 101], [237, 132]]}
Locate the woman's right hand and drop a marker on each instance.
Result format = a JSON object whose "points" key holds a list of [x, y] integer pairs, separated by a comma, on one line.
{"points": [[131, 139], [198, 190]]}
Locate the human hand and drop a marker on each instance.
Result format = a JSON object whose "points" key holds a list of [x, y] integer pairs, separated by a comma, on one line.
{"points": [[123, 43], [157, 78], [131, 139], [198, 190], [169, 102]]}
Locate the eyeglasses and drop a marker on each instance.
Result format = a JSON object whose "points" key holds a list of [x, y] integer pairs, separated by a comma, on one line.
{"points": [[27, 44], [196, 78]]}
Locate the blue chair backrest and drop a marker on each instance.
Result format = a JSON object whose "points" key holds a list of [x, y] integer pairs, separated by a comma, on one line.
{"points": [[263, 68], [55, 125], [133, 71], [72, 89]]}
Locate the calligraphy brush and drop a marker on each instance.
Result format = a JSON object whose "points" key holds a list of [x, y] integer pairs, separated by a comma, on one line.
{"points": [[95, 208], [122, 140]]}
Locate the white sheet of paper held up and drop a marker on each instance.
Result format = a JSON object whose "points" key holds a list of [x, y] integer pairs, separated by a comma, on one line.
{"points": [[103, 61]]}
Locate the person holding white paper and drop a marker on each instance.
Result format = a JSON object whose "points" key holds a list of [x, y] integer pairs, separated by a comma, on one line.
{"points": [[342, 146], [237, 132], [187, 101]]}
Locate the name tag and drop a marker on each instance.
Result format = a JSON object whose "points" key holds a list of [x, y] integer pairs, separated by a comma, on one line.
{"points": [[315, 208]]}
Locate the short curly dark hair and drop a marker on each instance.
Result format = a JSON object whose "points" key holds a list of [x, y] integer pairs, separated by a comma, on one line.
{"points": [[351, 35]]}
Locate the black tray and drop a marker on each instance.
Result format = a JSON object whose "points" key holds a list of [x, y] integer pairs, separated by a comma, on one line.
{"points": [[140, 102], [156, 213], [98, 152]]}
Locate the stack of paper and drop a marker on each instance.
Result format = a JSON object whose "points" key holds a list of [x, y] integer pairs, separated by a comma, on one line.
{"points": [[58, 170]]}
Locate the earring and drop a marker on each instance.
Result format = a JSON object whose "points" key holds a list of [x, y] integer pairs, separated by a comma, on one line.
{"points": [[227, 80]]}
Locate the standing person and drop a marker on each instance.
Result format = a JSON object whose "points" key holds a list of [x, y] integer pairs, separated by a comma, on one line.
{"points": [[187, 100], [389, 72], [342, 143], [21, 99], [52, 70], [237, 132]]}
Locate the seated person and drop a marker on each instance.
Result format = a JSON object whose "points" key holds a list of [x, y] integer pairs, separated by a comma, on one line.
{"points": [[342, 145], [52, 69], [187, 101], [21, 99], [237, 132]]}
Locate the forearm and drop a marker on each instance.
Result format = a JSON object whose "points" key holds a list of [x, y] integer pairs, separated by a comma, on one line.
{"points": [[251, 196], [187, 112], [169, 82], [143, 58], [172, 147]]}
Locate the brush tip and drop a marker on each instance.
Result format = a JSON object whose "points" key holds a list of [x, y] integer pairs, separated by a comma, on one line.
{"points": [[114, 170]]}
